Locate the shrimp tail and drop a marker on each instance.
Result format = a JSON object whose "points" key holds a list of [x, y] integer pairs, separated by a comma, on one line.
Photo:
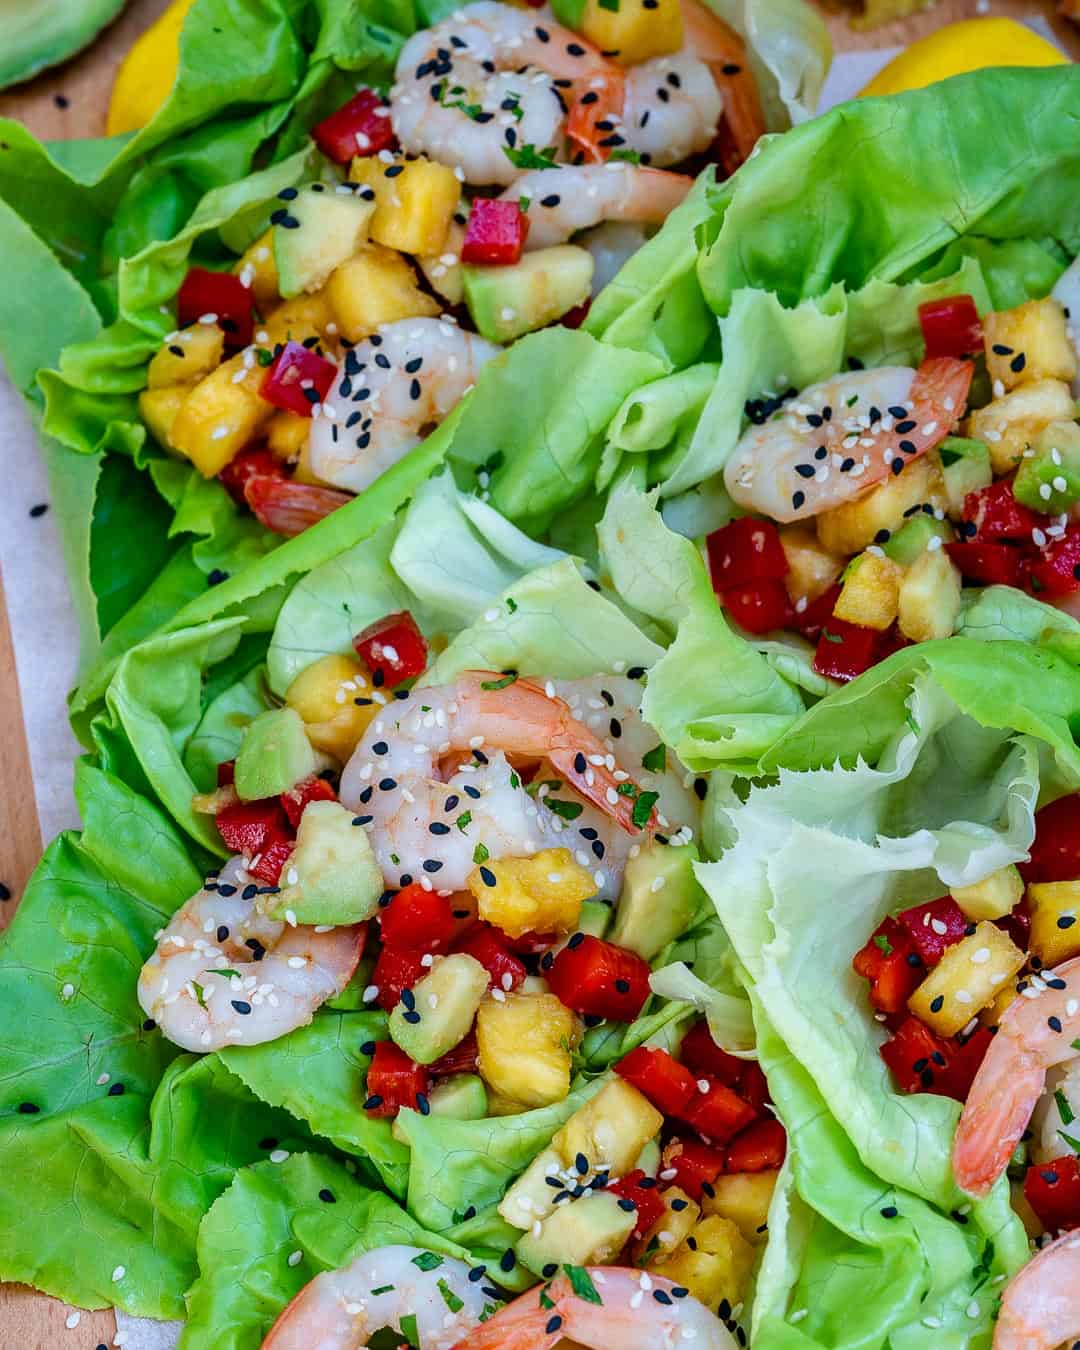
{"points": [[944, 382], [990, 1130], [723, 50]]}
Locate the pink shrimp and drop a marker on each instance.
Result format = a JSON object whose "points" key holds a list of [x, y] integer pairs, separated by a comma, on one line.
{"points": [[724, 52], [1041, 1305]]}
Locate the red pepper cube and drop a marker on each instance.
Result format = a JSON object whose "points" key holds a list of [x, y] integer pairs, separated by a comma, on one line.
{"points": [[669, 1085], [395, 970], [308, 790], [990, 564], [934, 927], [846, 650], [298, 379], [217, 297], [598, 979], [463, 1058], [247, 827], [760, 608], [641, 1191], [362, 126], [696, 1165], [700, 1053], [754, 1087], [393, 1081], [226, 773], [496, 232], [485, 944], [915, 1056], [1053, 1191], [417, 920], [573, 318], [891, 964], [950, 326], [992, 514], [817, 613], [1058, 571], [761, 1147], [275, 853], [1017, 924], [1055, 854], [718, 1114], [290, 508], [393, 649], [246, 465], [744, 552]]}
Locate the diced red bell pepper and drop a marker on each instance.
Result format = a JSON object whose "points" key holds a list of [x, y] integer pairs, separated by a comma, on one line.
{"points": [[845, 649], [891, 964], [646, 1199], [817, 613], [934, 927], [718, 1114], [529, 944], [462, 1059], [695, 1165], [395, 970], [275, 853], [1055, 854], [669, 1085], [417, 920], [1053, 1191], [989, 564], [486, 944], [226, 773], [496, 232], [290, 508], [923, 1062], [393, 1081], [1057, 572], [950, 326], [744, 552], [308, 790], [298, 379], [754, 1086], [573, 318], [760, 608], [964, 1062], [1017, 925], [221, 295], [996, 515], [598, 979], [393, 649], [245, 465], [700, 1053], [759, 1148], [246, 827], [362, 126]]}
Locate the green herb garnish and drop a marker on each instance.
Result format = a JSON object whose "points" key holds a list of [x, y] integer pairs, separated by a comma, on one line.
{"points": [[655, 760], [451, 1299], [643, 808], [480, 854], [568, 810], [507, 680], [427, 1261], [582, 1285]]}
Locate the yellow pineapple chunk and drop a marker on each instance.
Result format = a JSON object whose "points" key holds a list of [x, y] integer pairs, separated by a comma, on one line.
{"points": [[1028, 343], [717, 1267], [158, 409], [1012, 422], [1055, 920], [673, 1227], [443, 269], [870, 594], [854, 526], [377, 286], [415, 201], [325, 696], [220, 416], [744, 1198], [525, 1043], [187, 356], [287, 434], [610, 1130], [994, 1011], [993, 897], [631, 32], [541, 894], [305, 316], [811, 569], [257, 268], [966, 979], [929, 599]]}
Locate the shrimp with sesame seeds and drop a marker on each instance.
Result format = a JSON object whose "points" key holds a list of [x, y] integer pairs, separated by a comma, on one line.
{"points": [[224, 974], [392, 390], [1040, 1308], [343, 1309], [840, 437], [624, 1309]]}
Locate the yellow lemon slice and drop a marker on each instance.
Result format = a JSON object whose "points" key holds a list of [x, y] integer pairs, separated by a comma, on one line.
{"points": [[148, 73], [971, 44]]}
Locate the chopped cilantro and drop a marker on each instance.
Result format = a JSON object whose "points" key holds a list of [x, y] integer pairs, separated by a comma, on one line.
{"points": [[981, 1272], [384, 1289], [655, 760], [480, 854], [409, 1330], [568, 810], [528, 157], [200, 998], [264, 356], [515, 781], [582, 1285], [1074, 1144], [831, 637], [629, 156], [545, 1298], [232, 974], [882, 943], [643, 808], [627, 789], [427, 1261], [511, 604], [463, 821]]}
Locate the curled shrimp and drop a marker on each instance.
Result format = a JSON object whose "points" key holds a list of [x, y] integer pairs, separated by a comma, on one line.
{"points": [[1040, 1308], [343, 1309], [724, 52], [1062, 1093], [841, 436], [636, 1311], [394, 388], [571, 198], [224, 974], [1036, 1033]]}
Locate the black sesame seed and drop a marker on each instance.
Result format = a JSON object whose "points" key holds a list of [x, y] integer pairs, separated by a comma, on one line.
{"points": [[552, 199], [222, 933], [422, 1103], [908, 447], [889, 1212], [373, 1102], [241, 1005], [327, 1197], [439, 827], [487, 876], [412, 1017], [798, 499], [432, 865], [553, 1324], [1066, 921], [1018, 362], [805, 470], [28, 1109], [411, 367], [149, 1024], [394, 170], [731, 69], [897, 411], [623, 986], [904, 427], [576, 939], [387, 784], [662, 1296], [1054, 1023], [408, 998], [627, 1205], [414, 389], [508, 1260], [897, 466], [938, 1003], [999, 349]]}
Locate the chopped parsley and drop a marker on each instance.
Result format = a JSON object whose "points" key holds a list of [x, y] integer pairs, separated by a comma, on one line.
{"points": [[643, 808], [507, 680], [409, 1330], [264, 356], [451, 1299], [582, 1285], [427, 1261], [882, 943], [629, 156], [463, 821], [655, 760], [480, 854], [568, 810], [528, 157], [511, 604]]}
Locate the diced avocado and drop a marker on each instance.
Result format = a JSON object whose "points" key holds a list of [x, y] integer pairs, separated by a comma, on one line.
{"points": [[648, 1160], [910, 541], [1050, 480], [993, 897], [660, 896], [506, 302], [594, 917], [462, 1096], [966, 468], [274, 755], [929, 598], [442, 1009], [323, 226], [332, 875], [586, 1232], [530, 1197]]}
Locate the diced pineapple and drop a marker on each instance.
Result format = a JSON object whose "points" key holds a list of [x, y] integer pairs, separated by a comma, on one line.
{"points": [[966, 979], [929, 599], [377, 286], [1012, 422], [530, 1197], [871, 592], [415, 201], [305, 316], [443, 269], [541, 894], [852, 527], [993, 897], [158, 409], [325, 696], [717, 1267], [220, 416], [525, 1043], [811, 569], [498, 1105], [257, 268], [187, 356], [994, 1011], [1028, 343], [611, 1128], [1055, 920], [287, 434], [673, 1227], [744, 1198], [631, 32]]}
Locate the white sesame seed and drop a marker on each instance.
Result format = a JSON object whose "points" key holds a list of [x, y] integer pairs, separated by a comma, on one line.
{"points": [[295, 1258], [72, 1320], [279, 1155], [118, 1273]]}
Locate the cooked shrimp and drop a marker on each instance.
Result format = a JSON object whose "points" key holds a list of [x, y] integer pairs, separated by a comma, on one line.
{"points": [[843, 435], [1040, 1308], [724, 52], [224, 974], [637, 1311], [1035, 1034], [612, 245], [486, 80], [395, 387], [1062, 1085], [565, 200], [343, 1309]]}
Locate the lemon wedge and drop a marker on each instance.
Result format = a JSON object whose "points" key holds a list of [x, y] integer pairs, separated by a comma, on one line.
{"points": [[148, 73], [971, 44]]}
